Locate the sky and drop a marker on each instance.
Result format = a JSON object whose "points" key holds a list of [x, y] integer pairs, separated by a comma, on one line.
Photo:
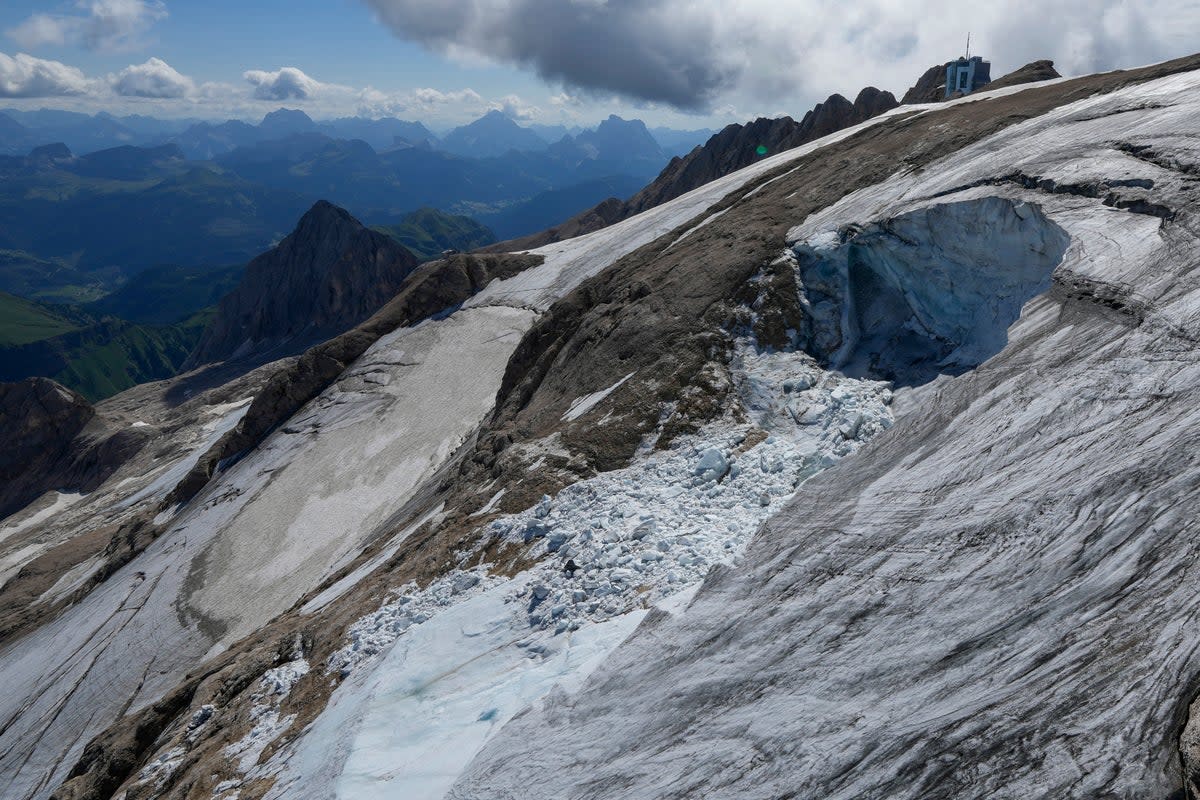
{"points": [[679, 63]]}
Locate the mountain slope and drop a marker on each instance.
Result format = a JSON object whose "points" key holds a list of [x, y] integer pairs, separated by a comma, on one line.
{"points": [[976, 606], [23, 321], [100, 357], [379, 590], [427, 233], [167, 294], [328, 275]]}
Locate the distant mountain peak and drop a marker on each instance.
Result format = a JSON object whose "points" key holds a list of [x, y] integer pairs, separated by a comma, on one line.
{"points": [[288, 115], [323, 216], [51, 152], [287, 121], [324, 278], [493, 134]]}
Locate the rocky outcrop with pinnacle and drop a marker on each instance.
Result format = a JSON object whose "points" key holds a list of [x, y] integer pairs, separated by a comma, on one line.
{"points": [[330, 274]]}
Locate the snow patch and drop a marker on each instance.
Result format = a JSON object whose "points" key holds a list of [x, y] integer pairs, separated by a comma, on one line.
{"points": [[274, 686], [583, 405], [62, 501], [491, 504], [345, 584]]}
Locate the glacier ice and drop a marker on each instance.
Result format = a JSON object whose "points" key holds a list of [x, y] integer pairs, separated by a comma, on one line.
{"points": [[931, 291]]}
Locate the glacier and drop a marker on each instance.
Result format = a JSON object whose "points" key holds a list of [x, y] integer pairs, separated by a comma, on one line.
{"points": [[995, 599]]}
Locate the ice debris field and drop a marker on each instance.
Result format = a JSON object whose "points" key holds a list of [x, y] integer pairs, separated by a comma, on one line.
{"points": [[469, 651]]}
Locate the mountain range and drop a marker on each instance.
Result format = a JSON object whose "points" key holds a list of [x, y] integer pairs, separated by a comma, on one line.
{"points": [[221, 193], [164, 317]]}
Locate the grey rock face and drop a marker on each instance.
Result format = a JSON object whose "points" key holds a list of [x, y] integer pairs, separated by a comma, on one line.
{"points": [[38, 421], [329, 275], [739, 145], [1030, 73]]}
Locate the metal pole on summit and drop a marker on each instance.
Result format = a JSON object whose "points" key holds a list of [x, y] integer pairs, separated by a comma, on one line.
{"points": [[968, 56]]}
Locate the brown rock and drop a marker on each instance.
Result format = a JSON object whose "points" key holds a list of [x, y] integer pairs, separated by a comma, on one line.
{"points": [[1030, 73]]}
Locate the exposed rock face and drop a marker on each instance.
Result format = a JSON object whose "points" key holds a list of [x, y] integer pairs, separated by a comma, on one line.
{"points": [[38, 421], [1030, 73], [735, 147], [740, 145], [329, 275], [930, 87]]}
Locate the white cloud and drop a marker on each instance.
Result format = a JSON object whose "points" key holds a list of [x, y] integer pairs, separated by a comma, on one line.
{"points": [[430, 98], [156, 78], [288, 83], [374, 103], [566, 100], [23, 75], [516, 108], [39, 30], [105, 25]]}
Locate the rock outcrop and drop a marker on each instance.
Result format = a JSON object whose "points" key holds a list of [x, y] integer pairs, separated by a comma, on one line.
{"points": [[735, 147], [38, 421], [738, 146], [1030, 73], [329, 275], [929, 88]]}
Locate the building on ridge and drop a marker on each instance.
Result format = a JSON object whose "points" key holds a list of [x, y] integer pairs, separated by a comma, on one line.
{"points": [[967, 74]]}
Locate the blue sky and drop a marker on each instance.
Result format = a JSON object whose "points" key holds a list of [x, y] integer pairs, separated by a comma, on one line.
{"points": [[685, 63]]}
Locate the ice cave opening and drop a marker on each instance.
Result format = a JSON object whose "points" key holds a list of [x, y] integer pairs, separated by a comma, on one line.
{"points": [[926, 293]]}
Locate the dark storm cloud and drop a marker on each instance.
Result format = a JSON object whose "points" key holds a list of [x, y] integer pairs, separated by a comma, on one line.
{"points": [[645, 49]]}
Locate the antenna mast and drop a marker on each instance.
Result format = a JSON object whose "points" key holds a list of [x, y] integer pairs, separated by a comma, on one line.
{"points": [[968, 56]]}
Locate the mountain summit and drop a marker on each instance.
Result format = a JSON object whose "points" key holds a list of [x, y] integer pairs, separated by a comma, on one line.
{"points": [[328, 275], [493, 134]]}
